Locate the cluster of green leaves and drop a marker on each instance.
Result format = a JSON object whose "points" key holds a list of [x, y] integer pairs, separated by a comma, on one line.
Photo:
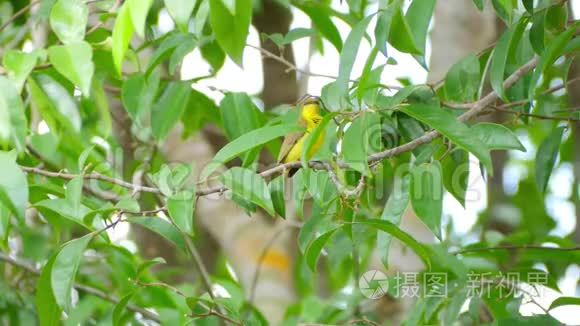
{"points": [[68, 84]]}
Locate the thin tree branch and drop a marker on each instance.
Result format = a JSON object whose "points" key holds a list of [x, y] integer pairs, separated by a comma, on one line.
{"points": [[19, 13], [81, 287], [90, 176], [515, 247], [292, 66]]}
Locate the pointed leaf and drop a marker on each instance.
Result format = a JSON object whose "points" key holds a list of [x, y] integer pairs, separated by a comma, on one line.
{"points": [[168, 110], [315, 248], [139, 10], [74, 61], [446, 123], [13, 125], [161, 227], [393, 211], [68, 20], [64, 270], [247, 184], [13, 185], [180, 207], [180, 11], [122, 33], [48, 310], [245, 143], [427, 195], [231, 30], [546, 157], [497, 136]]}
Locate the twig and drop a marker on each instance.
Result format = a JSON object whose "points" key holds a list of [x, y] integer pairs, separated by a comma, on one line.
{"points": [[90, 176], [292, 66], [533, 115], [83, 288], [267, 247], [19, 13], [466, 106], [348, 193], [214, 313], [515, 247]]}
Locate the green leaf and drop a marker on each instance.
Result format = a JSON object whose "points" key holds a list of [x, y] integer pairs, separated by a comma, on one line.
{"points": [[161, 227], [137, 94], [239, 115], [401, 235], [231, 30], [298, 33], [446, 123], [418, 16], [48, 310], [362, 138], [245, 143], [504, 9], [74, 61], [167, 48], [55, 104], [403, 39], [564, 301], [122, 33], [334, 94], [350, 49], [529, 5], [462, 80], [139, 10], [427, 195], [13, 185], [322, 22], [64, 270], [497, 136], [68, 20], [214, 55], [13, 124], [277, 192], [120, 308], [546, 157], [179, 53], [315, 248], [181, 208], [455, 169], [383, 27], [168, 110], [74, 191], [199, 109], [478, 4], [393, 211], [149, 263], [504, 47], [18, 66], [247, 184], [537, 32], [180, 11]]}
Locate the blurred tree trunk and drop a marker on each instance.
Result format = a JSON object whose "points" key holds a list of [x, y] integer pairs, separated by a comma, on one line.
{"points": [[280, 86]]}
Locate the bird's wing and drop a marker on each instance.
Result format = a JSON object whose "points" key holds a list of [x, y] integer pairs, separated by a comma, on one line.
{"points": [[289, 142]]}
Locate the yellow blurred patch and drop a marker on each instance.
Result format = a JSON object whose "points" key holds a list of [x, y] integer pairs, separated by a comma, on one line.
{"points": [[276, 259]]}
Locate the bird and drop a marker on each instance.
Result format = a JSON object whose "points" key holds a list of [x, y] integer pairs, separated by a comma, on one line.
{"points": [[291, 150]]}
